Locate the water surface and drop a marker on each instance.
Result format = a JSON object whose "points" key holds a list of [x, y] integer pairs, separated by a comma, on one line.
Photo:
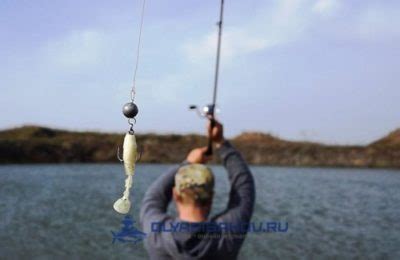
{"points": [[65, 211]]}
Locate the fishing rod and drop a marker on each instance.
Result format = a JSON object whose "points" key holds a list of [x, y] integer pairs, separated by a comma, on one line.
{"points": [[209, 110]]}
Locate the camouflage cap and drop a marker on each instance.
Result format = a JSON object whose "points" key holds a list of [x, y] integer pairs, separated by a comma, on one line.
{"points": [[196, 177]]}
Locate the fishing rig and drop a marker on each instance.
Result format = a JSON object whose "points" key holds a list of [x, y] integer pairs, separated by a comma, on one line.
{"points": [[208, 111], [130, 153]]}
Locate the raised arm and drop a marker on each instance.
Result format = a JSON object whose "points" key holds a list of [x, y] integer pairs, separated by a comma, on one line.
{"points": [[156, 199], [242, 194]]}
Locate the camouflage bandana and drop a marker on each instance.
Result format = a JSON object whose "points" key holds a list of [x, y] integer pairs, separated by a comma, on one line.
{"points": [[197, 178]]}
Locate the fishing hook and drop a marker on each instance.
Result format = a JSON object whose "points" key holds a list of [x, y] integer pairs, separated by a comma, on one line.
{"points": [[118, 155], [140, 150]]}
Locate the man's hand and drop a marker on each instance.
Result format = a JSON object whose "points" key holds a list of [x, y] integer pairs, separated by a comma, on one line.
{"points": [[198, 155], [216, 133]]}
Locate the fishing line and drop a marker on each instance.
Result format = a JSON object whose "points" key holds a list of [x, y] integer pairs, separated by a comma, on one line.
{"points": [[133, 91]]}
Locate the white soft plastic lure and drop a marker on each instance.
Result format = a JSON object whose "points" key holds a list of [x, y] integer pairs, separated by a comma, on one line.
{"points": [[129, 158]]}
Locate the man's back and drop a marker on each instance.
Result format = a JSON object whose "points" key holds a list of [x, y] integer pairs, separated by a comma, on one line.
{"points": [[199, 240]]}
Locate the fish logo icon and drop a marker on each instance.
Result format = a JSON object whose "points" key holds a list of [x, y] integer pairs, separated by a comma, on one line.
{"points": [[128, 232]]}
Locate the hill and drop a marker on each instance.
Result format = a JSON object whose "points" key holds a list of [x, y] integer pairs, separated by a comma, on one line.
{"points": [[35, 144], [391, 140]]}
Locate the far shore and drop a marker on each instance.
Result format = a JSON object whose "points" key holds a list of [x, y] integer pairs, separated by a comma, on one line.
{"points": [[35, 144]]}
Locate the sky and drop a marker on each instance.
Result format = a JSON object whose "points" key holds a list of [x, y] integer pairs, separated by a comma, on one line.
{"points": [[316, 70]]}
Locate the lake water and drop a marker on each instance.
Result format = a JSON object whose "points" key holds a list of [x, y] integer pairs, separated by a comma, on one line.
{"points": [[65, 211]]}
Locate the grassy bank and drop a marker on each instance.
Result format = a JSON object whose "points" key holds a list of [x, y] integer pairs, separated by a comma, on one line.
{"points": [[33, 144]]}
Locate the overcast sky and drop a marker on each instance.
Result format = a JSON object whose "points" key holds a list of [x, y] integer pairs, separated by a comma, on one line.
{"points": [[320, 70]]}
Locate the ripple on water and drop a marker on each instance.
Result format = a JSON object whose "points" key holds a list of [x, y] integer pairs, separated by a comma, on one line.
{"points": [[65, 211]]}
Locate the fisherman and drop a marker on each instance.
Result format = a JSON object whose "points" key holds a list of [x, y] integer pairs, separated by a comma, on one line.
{"points": [[191, 186]]}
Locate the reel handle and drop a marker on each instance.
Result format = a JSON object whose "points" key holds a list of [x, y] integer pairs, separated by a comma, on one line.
{"points": [[209, 150]]}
